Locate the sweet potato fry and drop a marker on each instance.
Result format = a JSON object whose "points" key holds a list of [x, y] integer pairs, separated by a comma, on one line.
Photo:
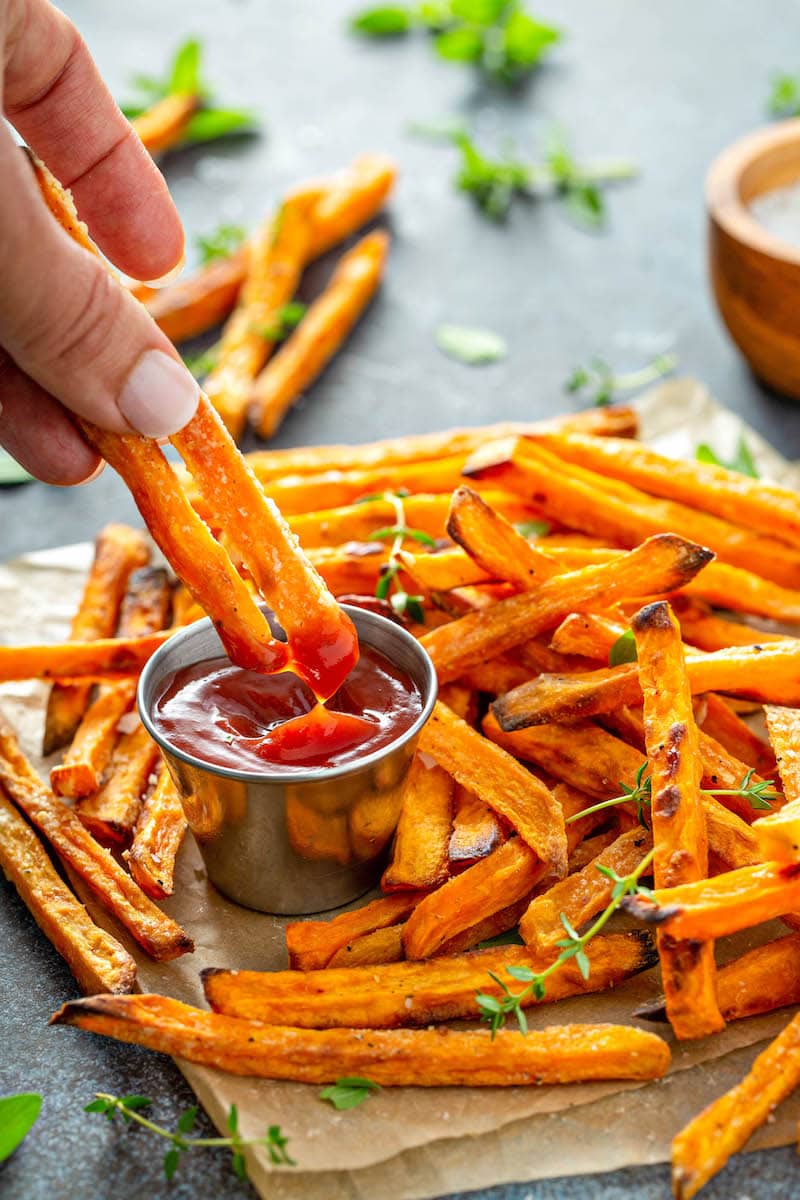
{"points": [[768, 672], [350, 199], [112, 812], [322, 639], [494, 776], [677, 815], [494, 544], [157, 839], [329, 320], [476, 830], [589, 634], [419, 856], [411, 993], [762, 980], [754, 503], [118, 552], [595, 762], [144, 611], [157, 933], [274, 265], [580, 896], [106, 658], [390, 1057], [312, 944], [609, 509], [163, 125], [709, 631], [704, 1145], [197, 303], [380, 946], [466, 642], [712, 908], [268, 465], [497, 676], [96, 959], [779, 832], [739, 590], [727, 728]]}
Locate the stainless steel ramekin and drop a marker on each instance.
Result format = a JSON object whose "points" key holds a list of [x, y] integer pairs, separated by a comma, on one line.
{"points": [[302, 843]]}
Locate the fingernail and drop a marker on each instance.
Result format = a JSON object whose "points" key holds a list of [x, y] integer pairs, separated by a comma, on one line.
{"points": [[159, 396], [170, 277]]}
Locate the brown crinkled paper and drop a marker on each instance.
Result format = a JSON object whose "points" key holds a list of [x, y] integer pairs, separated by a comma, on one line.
{"points": [[432, 1141]]}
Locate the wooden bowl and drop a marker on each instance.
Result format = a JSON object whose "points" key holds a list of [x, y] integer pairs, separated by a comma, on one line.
{"points": [[756, 275]]}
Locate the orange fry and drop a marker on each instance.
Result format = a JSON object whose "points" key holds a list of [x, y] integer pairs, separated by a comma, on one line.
{"points": [[312, 944], [163, 125], [419, 856], [495, 545], [157, 839], [106, 658], [727, 728], [779, 832], [380, 946], [197, 303], [112, 812]]}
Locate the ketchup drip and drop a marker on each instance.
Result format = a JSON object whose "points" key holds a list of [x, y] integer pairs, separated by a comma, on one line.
{"points": [[247, 721]]}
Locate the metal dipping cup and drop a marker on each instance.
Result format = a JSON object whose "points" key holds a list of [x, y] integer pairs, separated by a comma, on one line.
{"points": [[296, 843]]}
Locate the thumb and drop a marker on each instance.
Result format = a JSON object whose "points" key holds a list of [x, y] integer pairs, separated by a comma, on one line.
{"points": [[72, 328]]}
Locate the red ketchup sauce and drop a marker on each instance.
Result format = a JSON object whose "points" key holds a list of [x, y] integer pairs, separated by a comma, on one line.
{"points": [[246, 721]]}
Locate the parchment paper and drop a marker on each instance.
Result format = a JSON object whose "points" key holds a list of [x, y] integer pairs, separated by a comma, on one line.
{"points": [[415, 1143]]}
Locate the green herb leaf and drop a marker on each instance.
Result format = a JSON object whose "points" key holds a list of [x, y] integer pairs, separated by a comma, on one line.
{"points": [[211, 123], [276, 1144], [233, 1119], [186, 1120], [784, 98], [18, 1115], [171, 1160], [389, 20], [526, 41], [601, 383], [470, 345], [220, 243], [393, 531], [492, 183], [410, 606], [97, 1106], [509, 938], [184, 79], [460, 45], [742, 461], [623, 650], [134, 1101], [533, 529], [284, 321], [239, 1165], [348, 1092], [203, 363], [11, 472]]}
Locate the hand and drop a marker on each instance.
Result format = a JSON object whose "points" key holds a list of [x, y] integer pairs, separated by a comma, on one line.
{"points": [[71, 339]]}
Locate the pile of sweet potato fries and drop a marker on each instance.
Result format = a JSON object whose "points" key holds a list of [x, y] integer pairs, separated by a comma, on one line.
{"points": [[569, 584]]}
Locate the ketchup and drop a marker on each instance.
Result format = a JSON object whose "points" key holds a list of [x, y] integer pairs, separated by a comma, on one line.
{"points": [[246, 721]]}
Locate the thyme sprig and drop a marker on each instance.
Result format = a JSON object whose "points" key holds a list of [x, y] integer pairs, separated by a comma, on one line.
{"points": [[180, 1139], [599, 381], [496, 1010], [388, 587]]}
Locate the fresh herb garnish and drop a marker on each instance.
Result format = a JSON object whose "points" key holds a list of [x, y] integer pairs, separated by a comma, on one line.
{"points": [[18, 1115], [348, 1092], [204, 362], [282, 322], [784, 98], [599, 381], [387, 587], [496, 1010], [509, 938], [470, 345], [184, 79], [623, 650], [493, 183], [761, 794], [742, 461], [533, 529], [10, 471], [220, 243], [498, 37], [129, 1108]]}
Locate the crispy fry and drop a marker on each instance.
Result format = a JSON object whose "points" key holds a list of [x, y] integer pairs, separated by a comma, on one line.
{"points": [[157, 933], [163, 125], [322, 639], [595, 762], [197, 303], [606, 508], [118, 552], [743, 591], [727, 728], [274, 264], [157, 839], [411, 993], [677, 815], [709, 631], [269, 465], [350, 199], [112, 812], [779, 832], [494, 776], [581, 896], [466, 642], [498, 548], [392, 1058], [476, 830], [589, 634], [713, 908], [312, 944], [329, 320], [762, 980], [768, 672], [144, 611], [754, 503], [496, 677], [106, 658], [419, 856], [380, 946], [704, 1145], [96, 959]]}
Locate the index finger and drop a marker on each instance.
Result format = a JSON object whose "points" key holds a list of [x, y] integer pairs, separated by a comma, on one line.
{"points": [[56, 99]]}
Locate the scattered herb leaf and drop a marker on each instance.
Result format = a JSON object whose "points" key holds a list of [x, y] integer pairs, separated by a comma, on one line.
{"points": [[391, 20], [220, 243], [18, 1115], [623, 650], [598, 380], [348, 1092], [283, 322], [203, 363], [402, 603], [470, 345], [742, 461], [10, 471], [533, 529], [784, 98], [509, 938]]}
